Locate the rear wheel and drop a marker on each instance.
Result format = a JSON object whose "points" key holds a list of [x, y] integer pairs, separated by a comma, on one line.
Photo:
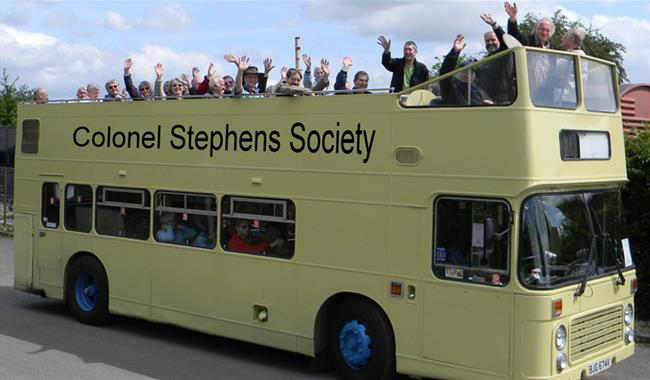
{"points": [[361, 342], [87, 291]]}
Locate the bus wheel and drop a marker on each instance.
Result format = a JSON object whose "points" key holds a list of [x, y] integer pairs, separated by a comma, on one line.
{"points": [[361, 342], [87, 291]]}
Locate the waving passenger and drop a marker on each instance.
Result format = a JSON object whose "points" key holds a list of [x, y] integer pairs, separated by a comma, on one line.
{"points": [[318, 74], [144, 90], [494, 38], [291, 85], [360, 78], [460, 89], [407, 71], [252, 82], [544, 29]]}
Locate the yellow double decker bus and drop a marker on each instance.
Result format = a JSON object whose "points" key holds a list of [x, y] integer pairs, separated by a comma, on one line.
{"points": [[470, 227]]}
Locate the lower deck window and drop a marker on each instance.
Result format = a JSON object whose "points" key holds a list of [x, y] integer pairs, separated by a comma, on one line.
{"points": [[78, 208], [258, 226], [185, 219], [123, 212], [472, 240], [50, 205]]}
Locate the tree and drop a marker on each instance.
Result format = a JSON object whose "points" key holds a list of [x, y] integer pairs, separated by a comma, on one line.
{"points": [[594, 44], [10, 95]]}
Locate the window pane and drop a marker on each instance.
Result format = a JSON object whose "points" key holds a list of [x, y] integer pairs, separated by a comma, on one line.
{"points": [[258, 226], [129, 221], [50, 205], [598, 86], [194, 226], [30, 136], [551, 78], [472, 240], [78, 208]]}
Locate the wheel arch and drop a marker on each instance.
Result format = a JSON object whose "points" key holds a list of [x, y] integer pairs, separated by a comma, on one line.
{"points": [[74, 258], [323, 317]]}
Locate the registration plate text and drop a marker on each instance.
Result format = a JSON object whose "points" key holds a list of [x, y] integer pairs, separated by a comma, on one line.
{"points": [[599, 366]]}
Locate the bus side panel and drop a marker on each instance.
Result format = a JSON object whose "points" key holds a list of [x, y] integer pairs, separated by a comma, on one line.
{"points": [[24, 240]]}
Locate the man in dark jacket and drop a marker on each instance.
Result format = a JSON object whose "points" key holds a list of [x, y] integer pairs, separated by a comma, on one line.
{"points": [[541, 37], [407, 71]]}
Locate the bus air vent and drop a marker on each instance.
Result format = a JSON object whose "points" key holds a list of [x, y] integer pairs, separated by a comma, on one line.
{"points": [[408, 155], [595, 332], [30, 136]]}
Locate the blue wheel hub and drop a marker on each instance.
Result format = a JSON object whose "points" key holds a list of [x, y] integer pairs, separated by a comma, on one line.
{"points": [[85, 291], [354, 344]]}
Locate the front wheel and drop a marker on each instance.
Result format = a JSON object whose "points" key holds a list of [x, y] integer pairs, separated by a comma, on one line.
{"points": [[361, 342], [87, 291]]}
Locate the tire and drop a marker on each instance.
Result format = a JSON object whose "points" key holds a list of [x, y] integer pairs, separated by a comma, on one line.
{"points": [[361, 342], [86, 292]]}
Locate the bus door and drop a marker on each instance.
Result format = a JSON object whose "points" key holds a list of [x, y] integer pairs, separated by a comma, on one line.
{"points": [[48, 242], [468, 310]]}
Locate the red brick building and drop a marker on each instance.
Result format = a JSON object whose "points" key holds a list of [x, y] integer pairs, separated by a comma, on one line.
{"points": [[635, 106]]}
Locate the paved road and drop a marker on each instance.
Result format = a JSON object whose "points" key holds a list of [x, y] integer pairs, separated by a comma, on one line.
{"points": [[39, 339]]}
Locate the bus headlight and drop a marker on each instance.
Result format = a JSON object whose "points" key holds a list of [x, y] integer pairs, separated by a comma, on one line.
{"points": [[629, 335], [560, 337], [561, 362], [629, 314]]}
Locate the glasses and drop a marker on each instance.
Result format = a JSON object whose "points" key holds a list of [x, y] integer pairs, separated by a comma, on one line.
{"points": [[145, 89], [113, 86], [177, 85], [229, 83]]}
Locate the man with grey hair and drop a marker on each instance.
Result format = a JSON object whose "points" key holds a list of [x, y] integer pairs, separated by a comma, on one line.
{"points": [[113, 90], [494, 38], [407, 71], [40, 95], [541, 37], [572, 41], [93, 92]]}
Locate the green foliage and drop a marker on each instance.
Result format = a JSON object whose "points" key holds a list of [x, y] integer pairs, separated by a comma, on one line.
{"points": [[10, 96], [594, 43], [636, 200]]}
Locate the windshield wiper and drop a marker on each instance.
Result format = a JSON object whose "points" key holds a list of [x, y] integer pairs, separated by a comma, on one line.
{"points": [[583, 283], [612, 249]]}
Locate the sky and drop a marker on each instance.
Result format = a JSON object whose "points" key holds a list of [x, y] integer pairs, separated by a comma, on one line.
{"points": [[61, 45]]}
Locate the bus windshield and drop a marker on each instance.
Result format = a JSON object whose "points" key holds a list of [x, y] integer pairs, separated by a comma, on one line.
{"points": [[564, 235]]}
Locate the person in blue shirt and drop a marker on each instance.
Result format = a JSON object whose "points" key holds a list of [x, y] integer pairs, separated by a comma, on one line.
{"points": [[172, 232]]}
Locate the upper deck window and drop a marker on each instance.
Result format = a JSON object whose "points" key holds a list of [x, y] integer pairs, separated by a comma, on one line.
{"points": [[552, 80], [598, 86]]}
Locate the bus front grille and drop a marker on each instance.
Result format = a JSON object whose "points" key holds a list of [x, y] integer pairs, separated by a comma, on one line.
{"points": [[595, 332]]}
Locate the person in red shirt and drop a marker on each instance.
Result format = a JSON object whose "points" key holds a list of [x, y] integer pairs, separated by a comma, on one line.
{"points": [[240, 243]]}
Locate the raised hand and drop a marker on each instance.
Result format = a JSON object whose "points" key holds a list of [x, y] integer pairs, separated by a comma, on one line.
{"points": [[159, 70], [186, 80], [347, 62], [459, 43], [488, 19], [511, 10], [211, 70], [196, 73], [307, 60], [243, 63], [283, 72], [268, 66], [127, 66], [325, 66], [230, 58], [384, 42]]}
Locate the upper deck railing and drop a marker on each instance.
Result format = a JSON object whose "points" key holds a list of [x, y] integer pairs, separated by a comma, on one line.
{"points": [[525, 76]]}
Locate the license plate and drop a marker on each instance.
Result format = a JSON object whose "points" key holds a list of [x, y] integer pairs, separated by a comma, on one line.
{"points": [[599, 366]]}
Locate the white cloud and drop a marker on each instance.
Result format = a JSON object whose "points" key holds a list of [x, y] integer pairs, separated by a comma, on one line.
{"points": [[115, 21], [167, 17], [42, 60], [634, 34]]}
